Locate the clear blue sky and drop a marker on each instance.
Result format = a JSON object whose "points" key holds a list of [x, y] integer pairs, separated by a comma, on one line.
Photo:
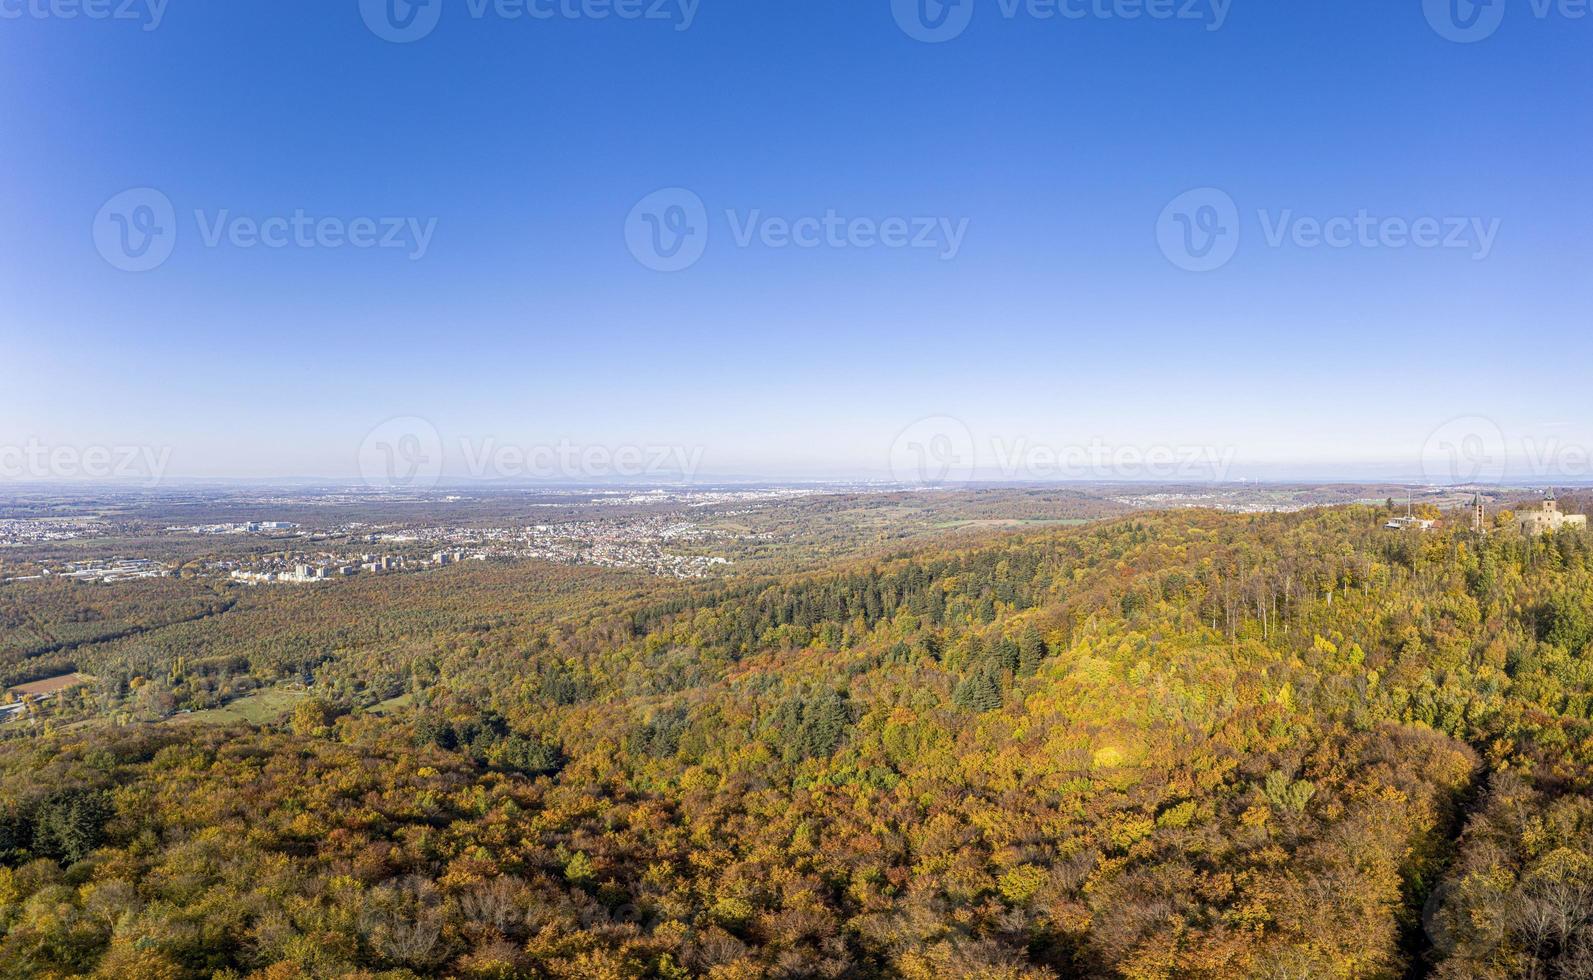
{"points": [[1059, 320]]}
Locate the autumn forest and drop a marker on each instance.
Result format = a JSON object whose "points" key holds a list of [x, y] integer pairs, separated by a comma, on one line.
{"points": [[1165, 744]]}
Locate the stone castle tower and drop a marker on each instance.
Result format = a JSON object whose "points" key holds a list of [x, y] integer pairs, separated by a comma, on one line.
{"points": [[1548, 517]]}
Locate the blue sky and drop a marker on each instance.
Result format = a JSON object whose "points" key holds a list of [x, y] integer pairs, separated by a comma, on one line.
{"points": [[1054, 143]]}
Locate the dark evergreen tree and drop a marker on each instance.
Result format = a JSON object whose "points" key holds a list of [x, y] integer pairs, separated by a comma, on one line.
{"points": [[1031, 651]]}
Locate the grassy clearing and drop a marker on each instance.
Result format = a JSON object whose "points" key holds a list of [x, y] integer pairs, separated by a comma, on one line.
{"points": [[391, 705], [256, 709]]}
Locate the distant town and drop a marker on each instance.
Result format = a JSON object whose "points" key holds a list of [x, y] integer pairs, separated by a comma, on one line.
{"points": [[312, 537], [296, 553]]}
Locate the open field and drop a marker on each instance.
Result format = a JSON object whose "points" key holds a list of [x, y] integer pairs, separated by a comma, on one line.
{"points": [[257, 709], [50, 685]]}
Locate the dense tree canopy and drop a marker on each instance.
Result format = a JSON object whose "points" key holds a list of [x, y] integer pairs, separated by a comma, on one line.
{"points": [[1179, 745]]}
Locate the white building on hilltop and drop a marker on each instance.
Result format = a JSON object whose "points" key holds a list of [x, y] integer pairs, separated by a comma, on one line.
{"points": [[1410, 522]]}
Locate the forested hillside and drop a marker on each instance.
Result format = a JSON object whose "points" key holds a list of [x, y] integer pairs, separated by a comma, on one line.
{"points": [[1176, 745]]}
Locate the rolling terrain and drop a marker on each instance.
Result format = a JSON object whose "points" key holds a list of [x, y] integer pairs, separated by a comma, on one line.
{"points": [[1174, 744]]}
